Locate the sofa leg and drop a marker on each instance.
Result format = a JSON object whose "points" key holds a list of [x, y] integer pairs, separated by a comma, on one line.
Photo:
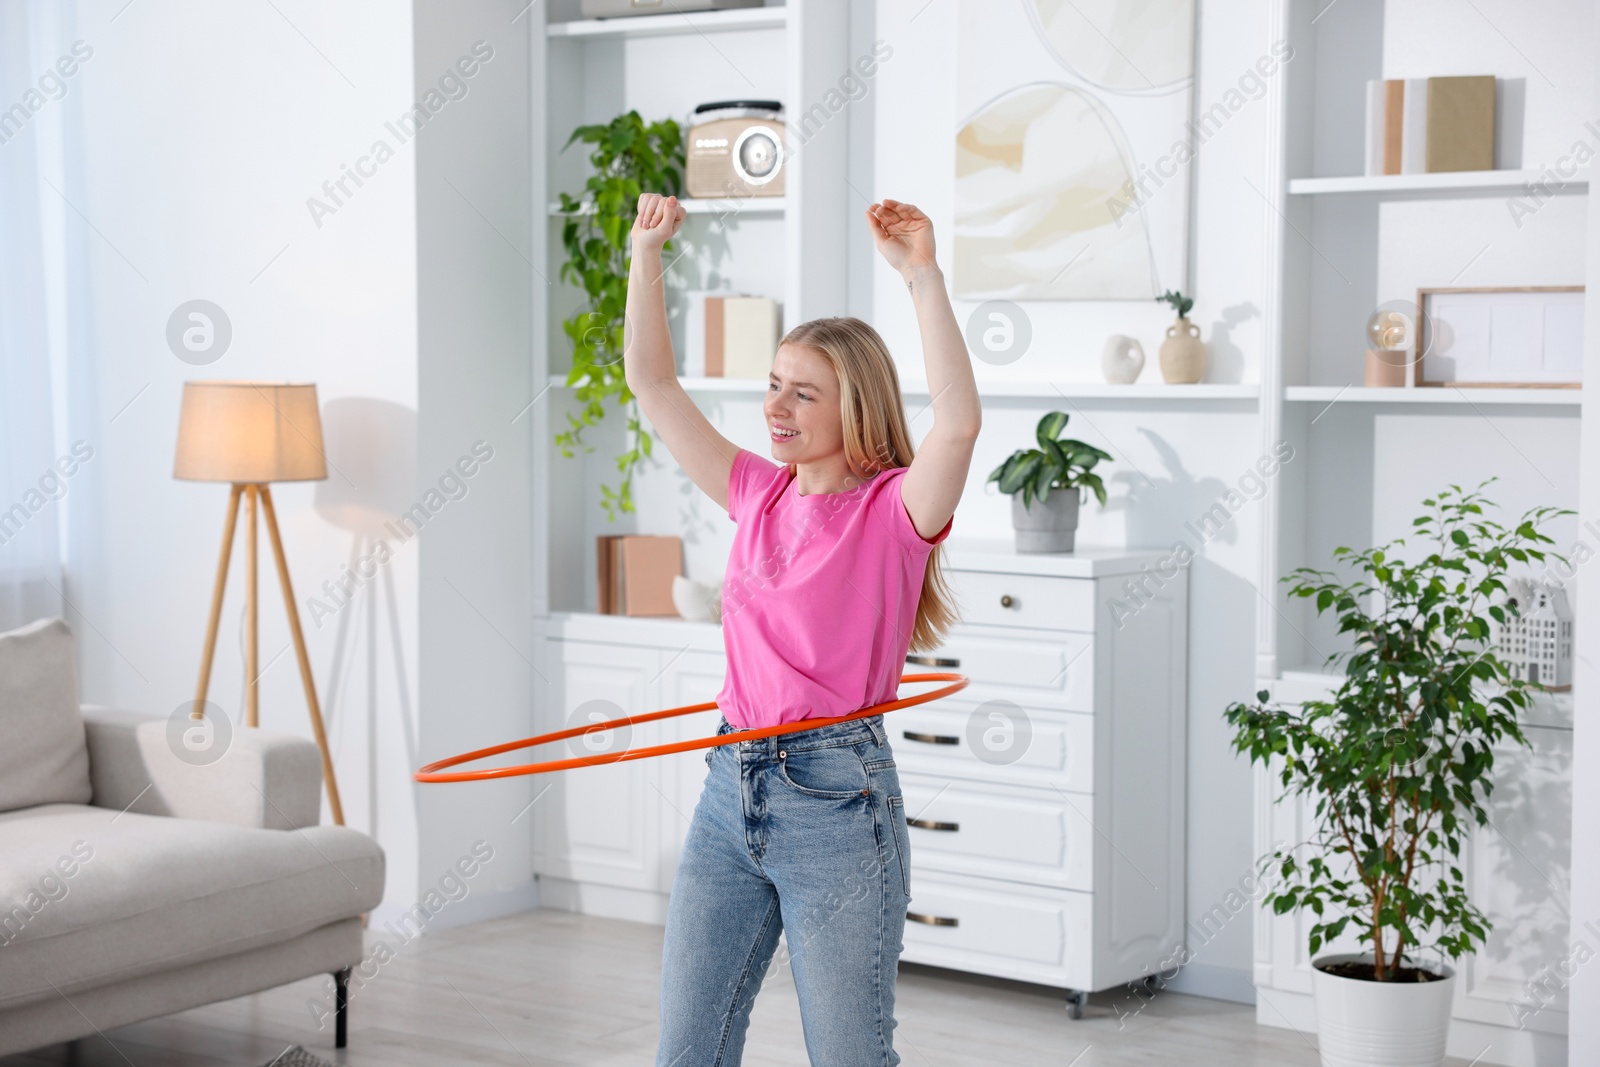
{"points": [[341, 1005]]}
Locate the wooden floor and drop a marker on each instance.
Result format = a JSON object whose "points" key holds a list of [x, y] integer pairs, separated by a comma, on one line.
{"points": [[550, 987]]}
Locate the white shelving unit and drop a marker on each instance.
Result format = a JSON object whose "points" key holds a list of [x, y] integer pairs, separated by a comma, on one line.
{"points": [[788, 248], [1341, 244]]}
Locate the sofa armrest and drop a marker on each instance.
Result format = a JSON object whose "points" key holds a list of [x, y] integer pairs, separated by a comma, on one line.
{"points": [[267, 780]]}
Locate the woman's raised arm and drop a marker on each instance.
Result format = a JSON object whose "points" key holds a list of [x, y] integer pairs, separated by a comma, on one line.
{"points": [[932, 486], [647, 361]]}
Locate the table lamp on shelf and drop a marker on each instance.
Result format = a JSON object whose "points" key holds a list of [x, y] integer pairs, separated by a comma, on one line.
{"points": [[251, 434], [1391, 343]]}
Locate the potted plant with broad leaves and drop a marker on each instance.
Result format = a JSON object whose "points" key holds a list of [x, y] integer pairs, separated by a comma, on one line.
{"points": [[1046, 521], [1399, 760], [629, 157]]}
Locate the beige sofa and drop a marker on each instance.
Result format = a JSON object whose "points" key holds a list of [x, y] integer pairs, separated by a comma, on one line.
{"points": [[136, 881]]}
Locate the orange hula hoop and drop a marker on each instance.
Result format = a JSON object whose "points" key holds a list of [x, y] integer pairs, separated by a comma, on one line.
{"points": [[436, 772]]}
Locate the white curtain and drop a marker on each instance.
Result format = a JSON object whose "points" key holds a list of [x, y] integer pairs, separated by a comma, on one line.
{"points": [[32, 484]]}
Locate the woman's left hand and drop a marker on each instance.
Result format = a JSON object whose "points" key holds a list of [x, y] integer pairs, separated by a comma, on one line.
{"points": [[904, 235]]}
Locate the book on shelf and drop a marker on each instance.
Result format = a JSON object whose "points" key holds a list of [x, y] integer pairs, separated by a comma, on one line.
{"points": [[1460, 123], [694, 330], [635, 573], [729, 335], [1430, 125]]}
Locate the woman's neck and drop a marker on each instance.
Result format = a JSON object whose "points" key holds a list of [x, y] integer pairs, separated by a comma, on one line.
{"points": [[811, 479]]}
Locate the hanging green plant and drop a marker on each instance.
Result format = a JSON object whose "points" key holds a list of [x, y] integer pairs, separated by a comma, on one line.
{"points": [[629, 157]]}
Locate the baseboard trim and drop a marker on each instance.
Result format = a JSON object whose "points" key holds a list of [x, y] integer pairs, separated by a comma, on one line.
{"points": [[604, 901], [1209, 980], [478, 906]]}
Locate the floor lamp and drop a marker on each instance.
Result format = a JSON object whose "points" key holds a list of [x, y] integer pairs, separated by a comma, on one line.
{"points": [[250, 434]]}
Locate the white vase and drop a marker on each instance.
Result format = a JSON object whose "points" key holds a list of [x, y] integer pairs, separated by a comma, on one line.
{"points": [[1121, 359], [696, 601], [1380, 1024]]}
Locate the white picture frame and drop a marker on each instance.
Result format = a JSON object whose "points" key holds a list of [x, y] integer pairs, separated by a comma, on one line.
{"points": [[1501, 337]]}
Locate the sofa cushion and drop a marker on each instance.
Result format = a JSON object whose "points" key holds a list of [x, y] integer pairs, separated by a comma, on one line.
{"points": [[93, 895], [44, 758]]}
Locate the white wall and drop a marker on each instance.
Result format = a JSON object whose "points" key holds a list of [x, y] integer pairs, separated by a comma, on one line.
{"points": [[204, 131], [193, 138], [475, 283]]}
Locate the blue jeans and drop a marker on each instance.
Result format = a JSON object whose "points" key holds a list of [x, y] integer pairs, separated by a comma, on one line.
{"points": [[803, 833]]}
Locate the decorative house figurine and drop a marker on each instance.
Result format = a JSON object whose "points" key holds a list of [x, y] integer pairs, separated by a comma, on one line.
{"points": [[1537, 641]]}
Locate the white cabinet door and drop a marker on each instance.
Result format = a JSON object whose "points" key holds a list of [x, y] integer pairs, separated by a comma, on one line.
{"points": [[688, 678], [598, 824]]}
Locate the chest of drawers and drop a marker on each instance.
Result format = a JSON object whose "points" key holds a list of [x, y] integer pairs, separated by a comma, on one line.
{"points": [[1045, 802]]}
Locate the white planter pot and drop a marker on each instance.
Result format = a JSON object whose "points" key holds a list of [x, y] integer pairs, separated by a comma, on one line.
{"points": [[1380, 1024]]}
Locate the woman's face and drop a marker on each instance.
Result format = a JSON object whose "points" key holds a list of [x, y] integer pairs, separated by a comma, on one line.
{"points": [[803, 396]]}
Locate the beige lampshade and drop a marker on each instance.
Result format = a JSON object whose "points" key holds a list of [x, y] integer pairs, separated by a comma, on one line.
{"points": [[249, 432]]}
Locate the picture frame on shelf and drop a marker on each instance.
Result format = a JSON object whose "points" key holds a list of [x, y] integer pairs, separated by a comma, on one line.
{"points": [[1500, 337]]}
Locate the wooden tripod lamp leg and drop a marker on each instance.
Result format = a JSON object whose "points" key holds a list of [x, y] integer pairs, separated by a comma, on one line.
{"points": [[252, 644], [204, 685], [300, 654]]}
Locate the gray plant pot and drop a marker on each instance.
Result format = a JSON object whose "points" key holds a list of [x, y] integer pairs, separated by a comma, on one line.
{"points": [[1049, 525]]}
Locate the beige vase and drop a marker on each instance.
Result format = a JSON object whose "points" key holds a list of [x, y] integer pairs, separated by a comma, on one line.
{"points": [[1183, 354]]}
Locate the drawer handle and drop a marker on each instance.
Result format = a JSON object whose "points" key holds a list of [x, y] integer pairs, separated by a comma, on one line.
{"points": [[931, 920], [933, 661], [1007, 600], [933, 824], [932, 739]]}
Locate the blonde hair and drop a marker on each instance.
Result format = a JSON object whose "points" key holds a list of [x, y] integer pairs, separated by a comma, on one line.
{"points": [[876, 437]]}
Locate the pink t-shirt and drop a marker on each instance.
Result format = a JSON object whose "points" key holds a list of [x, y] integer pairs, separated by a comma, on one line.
{"points": [[820, 596]]}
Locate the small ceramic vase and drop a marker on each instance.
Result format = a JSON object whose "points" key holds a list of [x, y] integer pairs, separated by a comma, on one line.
{"points": [[1122, 359], [1183, 354]]}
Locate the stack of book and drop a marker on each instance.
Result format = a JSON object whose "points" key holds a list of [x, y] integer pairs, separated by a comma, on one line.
{"points": [[636, 573], [1429, 125], [729, 335]]}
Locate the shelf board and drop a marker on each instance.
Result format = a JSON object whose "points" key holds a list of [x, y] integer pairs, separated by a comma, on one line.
{"points": [[1328, 394], [750, 205], [636, 26], [1451, 183], [1157, 391], [1005, 390]]}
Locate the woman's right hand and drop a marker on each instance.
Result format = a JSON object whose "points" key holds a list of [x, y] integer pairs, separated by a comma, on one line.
{"points": [[657, 221]]}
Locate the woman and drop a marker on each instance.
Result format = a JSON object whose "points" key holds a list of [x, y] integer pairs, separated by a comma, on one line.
{"points": [[833, 577]]}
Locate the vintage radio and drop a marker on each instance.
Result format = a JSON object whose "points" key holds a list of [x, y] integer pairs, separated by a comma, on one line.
{"points": [[735, 148]]}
